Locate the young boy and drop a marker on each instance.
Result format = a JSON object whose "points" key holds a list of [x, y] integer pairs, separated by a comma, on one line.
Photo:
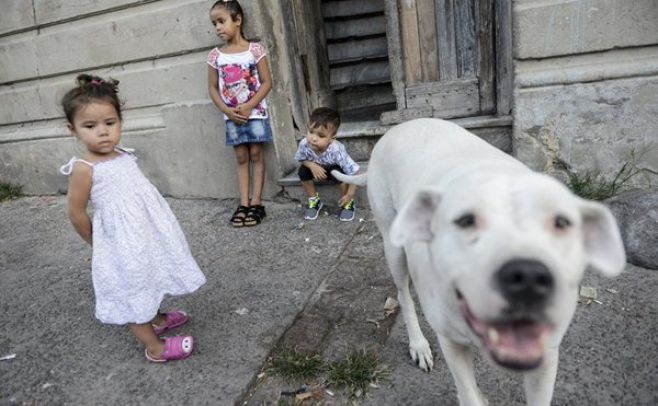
{"points": [[320, 153]]}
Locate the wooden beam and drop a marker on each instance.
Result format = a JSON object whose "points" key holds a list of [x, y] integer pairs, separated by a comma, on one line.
{"points": [[410, 40], [399, 116], [446, 39], [393, 36], [428, 41], [504, 68], [485, 58], [465, 38], [448, 99]]}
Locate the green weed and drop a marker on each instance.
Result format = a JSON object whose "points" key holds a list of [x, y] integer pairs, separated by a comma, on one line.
{"points": [[292, 365], [593, 185], [356, 372], [10, 191]]}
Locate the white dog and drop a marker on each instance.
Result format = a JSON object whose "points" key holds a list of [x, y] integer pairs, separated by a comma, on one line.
{"points": [[495, 250]]}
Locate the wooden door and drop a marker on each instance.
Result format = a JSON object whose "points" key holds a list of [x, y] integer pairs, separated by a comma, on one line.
{"points": [[447, 57], [343, 53]]}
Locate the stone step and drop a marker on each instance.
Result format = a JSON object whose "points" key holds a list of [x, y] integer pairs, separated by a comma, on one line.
{"points": [[359, 139], [329, 191]]}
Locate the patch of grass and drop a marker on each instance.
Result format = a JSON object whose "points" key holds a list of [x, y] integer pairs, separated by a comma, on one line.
{"points": [[292, 365], [593, 185], [9, 191], [356, 372]]}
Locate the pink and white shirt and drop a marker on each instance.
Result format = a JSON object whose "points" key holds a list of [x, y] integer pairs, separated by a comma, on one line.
{"points": [[238, 77]]}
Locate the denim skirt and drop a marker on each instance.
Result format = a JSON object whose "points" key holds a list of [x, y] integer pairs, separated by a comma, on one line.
{"points": [[254, 131]]}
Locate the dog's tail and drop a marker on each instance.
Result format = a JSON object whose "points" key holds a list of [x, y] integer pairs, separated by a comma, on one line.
{"points": [[359, 180]]}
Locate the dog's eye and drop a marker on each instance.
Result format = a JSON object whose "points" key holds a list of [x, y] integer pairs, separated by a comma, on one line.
{"points": [[562, 223], [466, 221]]}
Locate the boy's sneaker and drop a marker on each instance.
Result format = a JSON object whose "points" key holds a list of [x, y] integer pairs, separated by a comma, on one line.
{"points": [[313, 208], [347, 211]]}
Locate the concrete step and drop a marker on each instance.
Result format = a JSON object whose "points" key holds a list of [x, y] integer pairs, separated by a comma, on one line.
{"points": [[329, 191], [360, 138]]}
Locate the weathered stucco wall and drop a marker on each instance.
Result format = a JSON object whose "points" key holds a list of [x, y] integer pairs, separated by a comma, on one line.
{"points": [[157, 50], [586, 84]]}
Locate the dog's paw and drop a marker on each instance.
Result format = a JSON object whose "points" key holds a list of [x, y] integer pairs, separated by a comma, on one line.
{"points": [[422, 354]]}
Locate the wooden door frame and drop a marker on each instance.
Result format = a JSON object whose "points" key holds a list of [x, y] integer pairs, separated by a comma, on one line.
{"points": [[503, 57], [312, 64]]}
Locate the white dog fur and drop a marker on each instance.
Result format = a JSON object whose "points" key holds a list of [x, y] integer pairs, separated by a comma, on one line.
{"points": [[495, 251]]}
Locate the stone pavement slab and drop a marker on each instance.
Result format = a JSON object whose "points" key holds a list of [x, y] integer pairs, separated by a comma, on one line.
{"points": [[322, 285], [65, 356]]}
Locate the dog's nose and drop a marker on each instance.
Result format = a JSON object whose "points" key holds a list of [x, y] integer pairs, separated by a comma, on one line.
{"points": [[525, 282]]}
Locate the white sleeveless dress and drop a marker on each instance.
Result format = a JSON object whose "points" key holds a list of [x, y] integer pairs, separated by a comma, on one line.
{"points": [[139, 251]]}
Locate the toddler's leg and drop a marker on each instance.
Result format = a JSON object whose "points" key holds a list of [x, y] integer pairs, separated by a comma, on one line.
{"points": [[146, 335], [306, 176], [309, 188]]}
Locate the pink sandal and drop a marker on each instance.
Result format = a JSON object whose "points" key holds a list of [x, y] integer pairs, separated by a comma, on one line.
{"points": [[176, 348], [172, 320]]}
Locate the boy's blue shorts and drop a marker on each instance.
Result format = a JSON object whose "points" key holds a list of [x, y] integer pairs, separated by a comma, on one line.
{"points": [[254, 131]]}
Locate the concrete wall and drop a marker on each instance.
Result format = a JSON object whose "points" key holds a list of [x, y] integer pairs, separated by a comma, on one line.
{"points": [[586, 83], [157, 50]]}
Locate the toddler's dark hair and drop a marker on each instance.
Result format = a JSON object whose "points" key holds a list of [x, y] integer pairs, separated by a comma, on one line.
{"points": [[324, 117], [90, 88], [235, 9]]}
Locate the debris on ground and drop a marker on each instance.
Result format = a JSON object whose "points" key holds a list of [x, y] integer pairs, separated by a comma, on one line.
{"points": [[8, 357], [588, 292], [390, 306], [301, 390], [373, 321], [613, 291], [242, 311], [316, 394], [298, 226]]}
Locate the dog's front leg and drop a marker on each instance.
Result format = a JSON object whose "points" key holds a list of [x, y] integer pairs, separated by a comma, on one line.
{"points": [[539, 383], [419, 347], [460, 361]]}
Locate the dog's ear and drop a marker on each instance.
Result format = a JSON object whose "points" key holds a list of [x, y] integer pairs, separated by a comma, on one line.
{"points": [[413, 221], [603, 244]]}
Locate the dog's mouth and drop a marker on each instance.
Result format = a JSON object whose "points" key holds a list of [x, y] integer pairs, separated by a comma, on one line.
{"points": [[515, 342]]}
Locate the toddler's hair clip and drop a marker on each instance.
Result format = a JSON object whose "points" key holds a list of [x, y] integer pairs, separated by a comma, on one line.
{"points": [[97, 82]]}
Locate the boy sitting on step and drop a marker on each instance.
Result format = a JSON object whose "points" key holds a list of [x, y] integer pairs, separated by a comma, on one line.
{"points": [[320, 153]]}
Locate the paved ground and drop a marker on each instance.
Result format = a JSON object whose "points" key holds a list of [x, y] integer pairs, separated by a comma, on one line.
{"points": [[319, 286]]}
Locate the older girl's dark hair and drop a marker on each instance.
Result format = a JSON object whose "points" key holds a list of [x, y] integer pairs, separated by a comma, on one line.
{"points": [[90, 88], [234, 9]]}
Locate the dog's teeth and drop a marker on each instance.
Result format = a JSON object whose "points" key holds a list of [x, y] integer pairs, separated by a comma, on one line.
{"points": [[493, 335], [542, 340]]}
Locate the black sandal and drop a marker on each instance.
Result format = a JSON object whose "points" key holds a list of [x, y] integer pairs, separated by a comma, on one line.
{"points": [[237, 220], [255, 215]]}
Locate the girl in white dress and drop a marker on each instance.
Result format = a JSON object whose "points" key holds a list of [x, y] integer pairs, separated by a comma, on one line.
{"points": [[139, 252]]}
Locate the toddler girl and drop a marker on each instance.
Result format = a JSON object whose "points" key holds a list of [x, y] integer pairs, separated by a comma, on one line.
{"points": [[238, 81], [139, 252]]}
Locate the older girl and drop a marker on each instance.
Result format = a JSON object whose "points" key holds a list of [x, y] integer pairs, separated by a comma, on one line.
{"points": [[238, 81]]}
